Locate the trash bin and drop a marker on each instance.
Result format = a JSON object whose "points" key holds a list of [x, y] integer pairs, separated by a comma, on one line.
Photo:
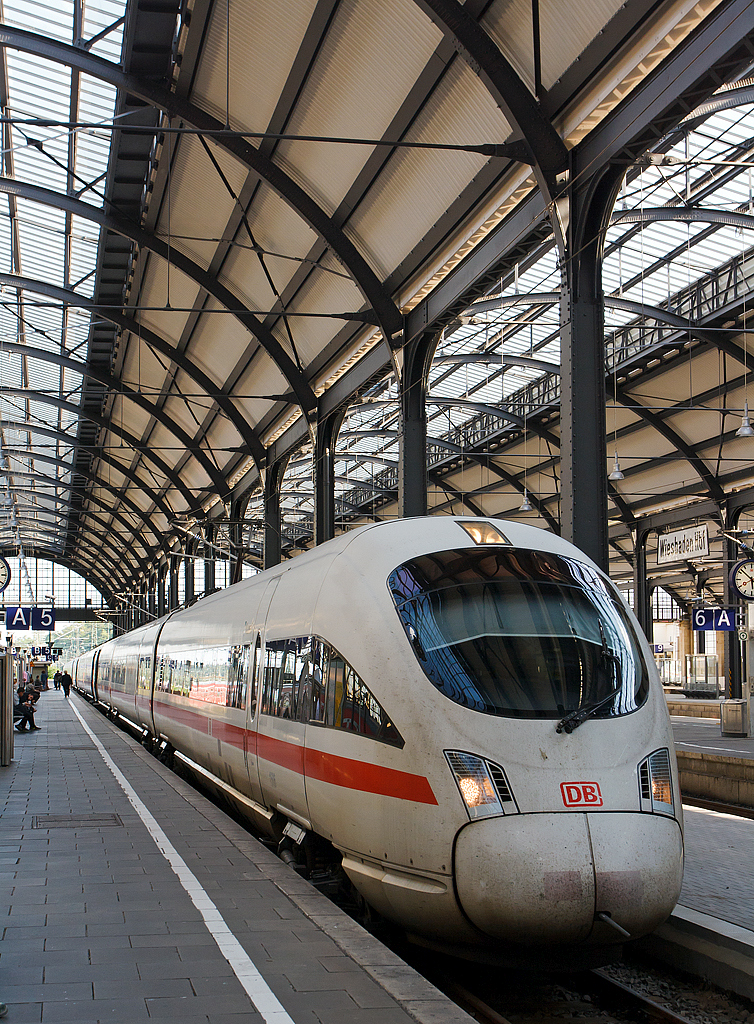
{"points": [[733, 718]]}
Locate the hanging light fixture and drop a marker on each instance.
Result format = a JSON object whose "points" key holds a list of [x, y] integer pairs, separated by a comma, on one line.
{"points": [[526, 505], [746, 429], [616, 473]]}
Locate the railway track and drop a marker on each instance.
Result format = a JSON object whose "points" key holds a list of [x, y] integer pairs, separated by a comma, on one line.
{"points": [[605, 995]]}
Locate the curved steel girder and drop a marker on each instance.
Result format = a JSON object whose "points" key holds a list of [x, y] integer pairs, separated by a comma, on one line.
{"points": [[59, 435], [492, 410], [113, 383], [115, 563], [615, 302], [388, 314], [102, 583], [719, 341], [133, 442], [513, 97], [714, 489], [685, 214], [295, 378], [447, 488], [58, 500], [98, 481]]}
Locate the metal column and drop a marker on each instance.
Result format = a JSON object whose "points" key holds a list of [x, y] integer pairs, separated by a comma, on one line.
{"points": [[642, 591], [273, 523], [210, 579], [324, 477], [583, 449], [412, 470], [188, 569], [235, 534], [6, 707]]}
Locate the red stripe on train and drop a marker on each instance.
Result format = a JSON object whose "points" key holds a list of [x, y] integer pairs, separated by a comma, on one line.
{"points": [[366, 777], [316, 764]]}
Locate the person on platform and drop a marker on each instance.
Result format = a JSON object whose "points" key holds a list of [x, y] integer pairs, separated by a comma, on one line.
{"points": [[66, 682], [23, 711], [56, 679]]}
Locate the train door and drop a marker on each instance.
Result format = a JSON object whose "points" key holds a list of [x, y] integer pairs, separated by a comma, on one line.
{"points": [[250, 736], [280, 738], [253, 704], [95, 671]]}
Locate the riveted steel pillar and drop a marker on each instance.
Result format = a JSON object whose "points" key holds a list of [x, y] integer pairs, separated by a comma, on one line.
{"points": [[188, 569], [584, 215], [412, 468], [273, 522], [732, 653], [324, 477], [235, 532], [161, 605], [174, 572], [642, 590], [210, 581]]}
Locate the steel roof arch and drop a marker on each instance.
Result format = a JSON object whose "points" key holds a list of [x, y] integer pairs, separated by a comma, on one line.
{"points": [[116, 387], [105, 423], [28, 426], [98, 481], [152, 243], [388, 314], [57, 499], [116, 563]]}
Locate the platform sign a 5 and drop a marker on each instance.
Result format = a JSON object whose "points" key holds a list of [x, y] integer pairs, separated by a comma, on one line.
{"points": [[30, 618]]}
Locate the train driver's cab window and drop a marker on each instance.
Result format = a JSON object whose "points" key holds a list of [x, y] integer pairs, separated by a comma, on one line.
{"points": [[519, 633]]}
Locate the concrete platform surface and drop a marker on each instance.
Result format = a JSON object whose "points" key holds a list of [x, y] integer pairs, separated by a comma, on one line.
{"points": [[703, 736], [139, 900]]}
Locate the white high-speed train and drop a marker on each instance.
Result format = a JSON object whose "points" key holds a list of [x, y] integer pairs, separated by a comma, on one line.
{"points": [[464, 710]]}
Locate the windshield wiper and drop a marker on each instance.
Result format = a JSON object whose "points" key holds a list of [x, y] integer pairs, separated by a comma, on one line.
{"points": [[575, 718]]}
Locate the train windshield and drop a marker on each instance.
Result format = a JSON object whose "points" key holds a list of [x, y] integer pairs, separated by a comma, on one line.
{"points": [[523, 634]]}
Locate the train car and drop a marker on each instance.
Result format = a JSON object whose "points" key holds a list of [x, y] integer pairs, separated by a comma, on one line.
{"points": [[463, 710]]}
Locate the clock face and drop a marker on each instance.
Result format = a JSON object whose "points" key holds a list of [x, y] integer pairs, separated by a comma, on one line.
{"points": [[742, 578], [4, 574]]}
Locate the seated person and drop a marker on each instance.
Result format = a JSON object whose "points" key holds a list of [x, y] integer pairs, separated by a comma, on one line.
{"points": [[23, 711]]}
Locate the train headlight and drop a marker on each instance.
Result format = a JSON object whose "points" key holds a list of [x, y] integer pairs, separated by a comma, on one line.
{"points": [[482, 784], [655, 783]]}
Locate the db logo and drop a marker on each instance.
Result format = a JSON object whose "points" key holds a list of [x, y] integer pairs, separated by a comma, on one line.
{"points": [[581, 794]]}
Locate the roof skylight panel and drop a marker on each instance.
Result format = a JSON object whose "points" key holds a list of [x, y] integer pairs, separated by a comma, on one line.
{"points": [[48, 19]]}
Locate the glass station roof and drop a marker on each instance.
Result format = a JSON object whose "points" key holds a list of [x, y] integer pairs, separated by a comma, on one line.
{"points": [[46, 245]]}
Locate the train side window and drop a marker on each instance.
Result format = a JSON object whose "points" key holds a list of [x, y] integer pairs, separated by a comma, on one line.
{"points": [[305, 679], [256, 668], [238, 672], [144, 677], [335, 690], [351, 704], [318, 664], [273, 658]]}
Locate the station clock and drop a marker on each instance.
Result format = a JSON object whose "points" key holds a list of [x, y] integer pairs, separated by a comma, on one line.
{"points": [[4, 574], [742, 579]]}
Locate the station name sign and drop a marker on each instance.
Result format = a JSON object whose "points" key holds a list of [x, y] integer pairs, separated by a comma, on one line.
{"points": [[680, 544]]}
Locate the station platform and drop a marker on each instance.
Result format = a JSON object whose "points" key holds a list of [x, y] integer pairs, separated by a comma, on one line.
{"points": [[128, 897]]}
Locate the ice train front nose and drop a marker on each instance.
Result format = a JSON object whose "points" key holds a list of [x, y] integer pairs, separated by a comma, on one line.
{"points": [[543, 878]]}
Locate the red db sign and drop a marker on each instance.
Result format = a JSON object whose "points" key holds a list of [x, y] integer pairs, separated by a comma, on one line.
{"points": [[581, 794]]}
